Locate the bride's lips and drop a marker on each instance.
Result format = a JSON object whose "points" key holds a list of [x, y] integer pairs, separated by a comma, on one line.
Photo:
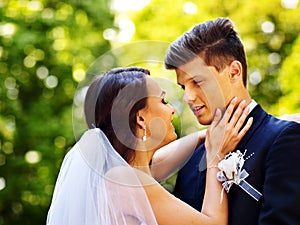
{"points": [[197, 109]]}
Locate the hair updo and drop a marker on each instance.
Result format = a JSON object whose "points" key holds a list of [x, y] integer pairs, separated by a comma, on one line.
{"points": [[111, 104]]}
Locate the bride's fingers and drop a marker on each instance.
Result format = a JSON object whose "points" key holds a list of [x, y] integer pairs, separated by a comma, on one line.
{"points": [[237, 113], [230, 110], [245, 128], [241, 120], [217, 118]]}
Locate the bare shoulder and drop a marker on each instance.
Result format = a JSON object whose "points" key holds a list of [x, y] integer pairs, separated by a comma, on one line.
{"points": [[122, 175], [129, 176], [291, 117]]}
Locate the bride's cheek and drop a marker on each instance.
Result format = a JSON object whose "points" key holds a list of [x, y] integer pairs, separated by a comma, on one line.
{"points": [[158, 127]]}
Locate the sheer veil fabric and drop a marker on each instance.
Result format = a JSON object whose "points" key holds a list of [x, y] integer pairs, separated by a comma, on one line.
{"points": [[95, 186]]}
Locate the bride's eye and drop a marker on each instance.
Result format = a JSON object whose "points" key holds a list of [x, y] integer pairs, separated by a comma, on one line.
{"points": [[164, 101]]}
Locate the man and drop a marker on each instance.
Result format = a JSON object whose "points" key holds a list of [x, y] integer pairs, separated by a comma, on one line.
{"points": [[211, 68]]}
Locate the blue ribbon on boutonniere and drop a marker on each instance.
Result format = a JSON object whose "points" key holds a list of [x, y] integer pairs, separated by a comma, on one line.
{"points": [[231, 172]]}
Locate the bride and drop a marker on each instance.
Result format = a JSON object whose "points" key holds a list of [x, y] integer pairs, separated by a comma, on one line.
{"points": [[110, 177]]}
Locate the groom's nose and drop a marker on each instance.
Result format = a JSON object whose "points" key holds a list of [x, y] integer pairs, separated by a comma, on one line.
{"points": [[188, 96]]}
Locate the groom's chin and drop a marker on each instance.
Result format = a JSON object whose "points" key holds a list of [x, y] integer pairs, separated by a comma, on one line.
{"points": [[204, 121]]}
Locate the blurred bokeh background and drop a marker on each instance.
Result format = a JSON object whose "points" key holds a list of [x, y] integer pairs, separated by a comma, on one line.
{"points": [[50, 48]]}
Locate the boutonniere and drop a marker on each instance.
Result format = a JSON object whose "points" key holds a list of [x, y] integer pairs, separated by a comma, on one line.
{"points": [[232, 172]]}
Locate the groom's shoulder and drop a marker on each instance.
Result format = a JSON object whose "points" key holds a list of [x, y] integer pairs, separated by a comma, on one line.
{"points": [[275, 122], [281, 126]]}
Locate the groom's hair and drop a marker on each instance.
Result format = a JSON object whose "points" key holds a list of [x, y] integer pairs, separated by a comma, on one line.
{"points": [[215, 41]]}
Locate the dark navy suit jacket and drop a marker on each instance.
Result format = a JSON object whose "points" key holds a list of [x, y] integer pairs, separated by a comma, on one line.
{"points": [[274, 170]]}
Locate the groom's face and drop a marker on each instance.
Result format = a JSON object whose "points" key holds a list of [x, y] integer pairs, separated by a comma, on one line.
{"points": [[205, 89]]}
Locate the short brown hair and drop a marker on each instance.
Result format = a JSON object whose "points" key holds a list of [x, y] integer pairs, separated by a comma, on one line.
{"points": [[215, 41]]}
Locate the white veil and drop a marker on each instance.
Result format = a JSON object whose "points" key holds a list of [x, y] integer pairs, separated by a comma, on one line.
{"points": [[96, 186]]}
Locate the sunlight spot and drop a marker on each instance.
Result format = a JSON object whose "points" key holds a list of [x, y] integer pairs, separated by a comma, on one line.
{"points": [[51, 81], [7, 29], [190, 8], [64, 11], [81, 18], [8, 148], [289, 4], [13, 94], [29, 61], [126, 5], [38, 54], [10, 124], [274, 58], [255, 78], [127, 28], [59, 44], [35, 5], [48, 13], [58, 32], [2, 183], [110, 34], [42, 72], [60, 141], [268, 27], [10, 83], [33, 156], [78, 74]]}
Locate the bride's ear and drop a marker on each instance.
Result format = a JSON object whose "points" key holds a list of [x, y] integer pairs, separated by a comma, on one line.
{"points": [[140, 119]]}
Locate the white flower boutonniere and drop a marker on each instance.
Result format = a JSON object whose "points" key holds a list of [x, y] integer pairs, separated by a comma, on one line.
{"points": [[231, 172]]}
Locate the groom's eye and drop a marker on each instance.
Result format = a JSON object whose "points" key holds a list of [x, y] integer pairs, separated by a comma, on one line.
{"points": [[197, 82]]}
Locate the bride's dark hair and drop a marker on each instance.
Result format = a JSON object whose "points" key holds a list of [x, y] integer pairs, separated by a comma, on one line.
{"points": [[111, 104]]}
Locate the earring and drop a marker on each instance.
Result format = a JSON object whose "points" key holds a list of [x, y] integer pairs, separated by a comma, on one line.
{"points": [[144, 138]]}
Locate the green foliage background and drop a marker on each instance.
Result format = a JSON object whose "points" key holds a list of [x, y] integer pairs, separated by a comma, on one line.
{"points": [[44, 46], [47, 46]]}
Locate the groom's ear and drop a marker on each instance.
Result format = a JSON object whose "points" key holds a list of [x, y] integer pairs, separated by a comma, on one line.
{"points": [[235, 70]]}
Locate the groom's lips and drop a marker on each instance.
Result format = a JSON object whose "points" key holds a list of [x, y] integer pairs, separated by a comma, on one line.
{"points": [[197, 109]]}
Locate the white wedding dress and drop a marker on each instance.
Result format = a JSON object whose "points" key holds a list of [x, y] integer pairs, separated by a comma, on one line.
{"points": [[96, 186]]}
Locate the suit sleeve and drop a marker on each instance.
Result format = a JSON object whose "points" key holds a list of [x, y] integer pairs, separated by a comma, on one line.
{"points": [[281, 192]]}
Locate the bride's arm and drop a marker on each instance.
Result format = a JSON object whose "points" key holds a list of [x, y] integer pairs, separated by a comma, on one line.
{"points": [[292, 117], [222, 136], [172, 156]]}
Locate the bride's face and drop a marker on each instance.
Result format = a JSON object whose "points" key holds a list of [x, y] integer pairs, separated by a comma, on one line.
{"points": [[158, 116]]}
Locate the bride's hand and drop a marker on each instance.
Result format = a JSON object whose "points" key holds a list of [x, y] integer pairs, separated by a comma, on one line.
{"points": [[225, 132]]}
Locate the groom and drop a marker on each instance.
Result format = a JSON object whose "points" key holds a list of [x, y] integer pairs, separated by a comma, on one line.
{"points": [[211, 68]]}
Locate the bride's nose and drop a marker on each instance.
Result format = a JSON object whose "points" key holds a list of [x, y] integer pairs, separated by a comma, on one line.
{"points": [[172, 109]]}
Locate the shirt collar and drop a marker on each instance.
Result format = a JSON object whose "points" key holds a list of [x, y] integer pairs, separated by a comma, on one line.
{"points": [[252, 105]]}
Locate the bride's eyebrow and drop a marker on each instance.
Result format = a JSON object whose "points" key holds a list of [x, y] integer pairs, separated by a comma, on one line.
{"points": [[163, 93]]}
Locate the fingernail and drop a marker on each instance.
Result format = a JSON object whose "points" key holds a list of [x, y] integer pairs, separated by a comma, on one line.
{"points": [[243, 102], [250, 120], [247, 109], [234, 99], [218, 112]]}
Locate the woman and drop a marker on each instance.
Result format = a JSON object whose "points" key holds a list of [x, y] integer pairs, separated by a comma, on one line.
{"points": [[107, 177]]}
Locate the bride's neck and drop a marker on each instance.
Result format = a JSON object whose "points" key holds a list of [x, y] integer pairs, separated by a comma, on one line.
{"points": [[142, 160]]}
